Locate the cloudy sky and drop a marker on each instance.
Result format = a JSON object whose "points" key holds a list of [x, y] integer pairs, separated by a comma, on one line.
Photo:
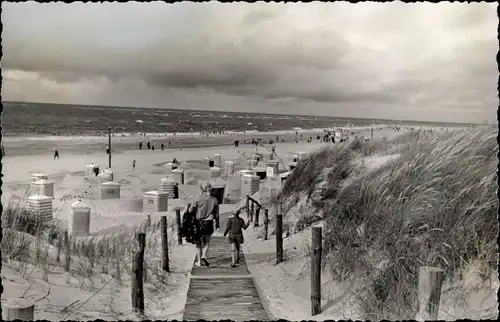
{"points": [[434, 62]]}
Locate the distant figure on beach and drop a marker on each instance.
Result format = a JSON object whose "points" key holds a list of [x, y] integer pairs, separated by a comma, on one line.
{"points": [[56, 154], [174, 161], [149, 145], [162, 147], [107, 149], [152, 147], [140, 145], [236, 143], [133, 165], [234, 227], [207, 211], [169, 143]]}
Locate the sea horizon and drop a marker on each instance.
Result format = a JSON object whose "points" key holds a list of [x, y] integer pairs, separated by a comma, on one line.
{"points": [[53, 119]]}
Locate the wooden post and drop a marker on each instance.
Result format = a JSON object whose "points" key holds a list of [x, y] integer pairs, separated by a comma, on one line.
{"points": [[256, 222], [430, 281], [68, 251], [18, 309], [247, 208], [316, 271], [179, 225], [109, 146], [164, 245], [137, 277], [279, 238], [266, 223], [59, 246]]}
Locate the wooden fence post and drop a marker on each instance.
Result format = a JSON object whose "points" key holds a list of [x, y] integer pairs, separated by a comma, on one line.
{"points": [[430, 281], [164, 245], [247, 208], [59, 246], [316, 271], [68, 251], [279, 238], [18, 309], [266, 223], [179, 225], [252, 204], [137, 277], [149, 222]]}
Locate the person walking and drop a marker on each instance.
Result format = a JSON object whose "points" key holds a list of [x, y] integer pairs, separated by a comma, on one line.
{"points": [[56, 154], [140, 145], [133, 165], [206, 210], [162, 146], [234, 227]]}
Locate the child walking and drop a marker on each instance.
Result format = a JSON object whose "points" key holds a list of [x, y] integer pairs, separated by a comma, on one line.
{"points": [[234, 227]]}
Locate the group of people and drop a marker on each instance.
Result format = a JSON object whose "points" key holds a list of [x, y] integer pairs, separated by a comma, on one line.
{"points": [[151, 145], [198, 226]]}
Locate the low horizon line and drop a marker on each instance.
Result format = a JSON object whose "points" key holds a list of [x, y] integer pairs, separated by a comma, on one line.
{"points": [[180, 109]]}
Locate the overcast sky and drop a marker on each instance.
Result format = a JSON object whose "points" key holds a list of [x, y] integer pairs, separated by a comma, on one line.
{"points": [[433, 62]]}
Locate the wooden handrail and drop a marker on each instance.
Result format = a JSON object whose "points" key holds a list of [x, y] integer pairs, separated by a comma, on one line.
{"points": [[254, 201]]}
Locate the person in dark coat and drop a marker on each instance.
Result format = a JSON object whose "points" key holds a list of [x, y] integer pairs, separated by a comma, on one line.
{"points": [[162, 147], [56, 154], [140, 145], [149, 145]]}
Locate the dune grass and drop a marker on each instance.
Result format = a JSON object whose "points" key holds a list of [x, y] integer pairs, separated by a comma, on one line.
{"points": [[436, 205], [29, 241]]}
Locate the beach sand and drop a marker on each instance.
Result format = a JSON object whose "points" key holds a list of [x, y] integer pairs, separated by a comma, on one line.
{"points": [[165, 299]]}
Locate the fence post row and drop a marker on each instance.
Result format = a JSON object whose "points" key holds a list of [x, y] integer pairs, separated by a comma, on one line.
{"points": [[430, 282], [266, 223], [279, 238], [68, 251], [316, 271], [247, 207], [137, 277], [179, 225], [164, 245]]}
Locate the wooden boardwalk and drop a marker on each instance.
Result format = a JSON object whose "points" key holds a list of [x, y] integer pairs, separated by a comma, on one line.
{"points": [[221, 292]]}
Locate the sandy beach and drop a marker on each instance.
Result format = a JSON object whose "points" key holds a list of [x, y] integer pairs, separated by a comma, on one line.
{"points": [[108, 216], [284, 289]]}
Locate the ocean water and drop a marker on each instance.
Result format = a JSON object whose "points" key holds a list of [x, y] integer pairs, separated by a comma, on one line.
{"points": [[33, 119]]}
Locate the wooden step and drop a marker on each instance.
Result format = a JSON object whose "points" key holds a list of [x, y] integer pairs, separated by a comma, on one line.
{"points": [[220, 292]]}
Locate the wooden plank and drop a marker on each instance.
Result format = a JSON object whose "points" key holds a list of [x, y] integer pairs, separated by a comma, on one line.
{"points": [[220, 291]]}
